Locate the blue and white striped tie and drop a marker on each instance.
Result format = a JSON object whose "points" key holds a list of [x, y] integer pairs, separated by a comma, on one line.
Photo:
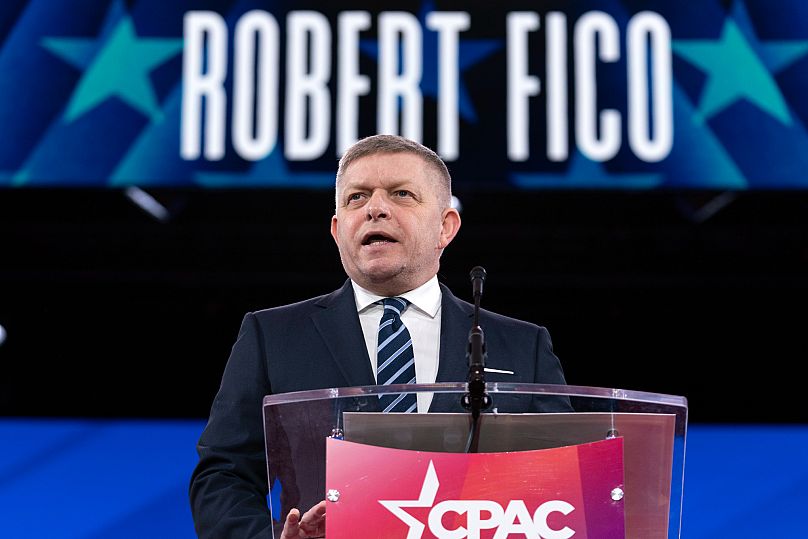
{"points": [[394, 357]]}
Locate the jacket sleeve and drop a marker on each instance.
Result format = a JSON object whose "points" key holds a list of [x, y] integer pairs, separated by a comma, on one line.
{"points": [[549, 371], [228, 490]]}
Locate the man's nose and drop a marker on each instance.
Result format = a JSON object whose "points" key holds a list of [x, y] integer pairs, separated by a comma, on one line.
{"points": [[378, 207]]}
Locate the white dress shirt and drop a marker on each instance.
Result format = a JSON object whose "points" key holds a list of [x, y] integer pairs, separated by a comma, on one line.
{"points": [[422, 319]]}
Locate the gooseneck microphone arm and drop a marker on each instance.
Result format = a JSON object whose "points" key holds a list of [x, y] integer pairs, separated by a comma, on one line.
{"points": [[476, 399], [478, 276]]}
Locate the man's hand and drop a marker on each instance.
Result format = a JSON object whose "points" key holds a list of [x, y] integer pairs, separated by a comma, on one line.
{"points": [[311, 524]]}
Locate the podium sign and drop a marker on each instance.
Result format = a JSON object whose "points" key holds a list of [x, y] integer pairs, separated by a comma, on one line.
{"points": [[378, 492], [537, 474]]}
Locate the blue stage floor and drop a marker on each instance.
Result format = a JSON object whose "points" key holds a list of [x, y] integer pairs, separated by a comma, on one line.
{"points": [[93, 479]]}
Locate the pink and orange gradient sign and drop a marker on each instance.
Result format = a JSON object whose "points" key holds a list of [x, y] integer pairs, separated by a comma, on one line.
{"points": [[568, 492]]}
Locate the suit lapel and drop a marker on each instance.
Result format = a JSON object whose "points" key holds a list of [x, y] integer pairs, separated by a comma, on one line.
{"points": [[455, 323], [454, 336], [338, 323]]}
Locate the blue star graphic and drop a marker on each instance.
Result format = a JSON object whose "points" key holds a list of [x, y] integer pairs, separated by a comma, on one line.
{"points": [[740, 66], [268, 172], [470, 53], [115, 64], [585, 173], [10, 178]]}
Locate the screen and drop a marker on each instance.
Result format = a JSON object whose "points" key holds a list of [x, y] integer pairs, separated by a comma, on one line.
{"points": [[667, 94]]}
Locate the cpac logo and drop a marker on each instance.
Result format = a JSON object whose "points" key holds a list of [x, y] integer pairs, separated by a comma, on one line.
{"points": [[480, 515]]}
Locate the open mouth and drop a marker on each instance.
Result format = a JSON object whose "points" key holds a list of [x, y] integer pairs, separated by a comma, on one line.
{"points": [[375, 239]]}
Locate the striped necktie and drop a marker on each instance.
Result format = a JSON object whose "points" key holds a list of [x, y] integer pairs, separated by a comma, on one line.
{"points": [[394, 357]]}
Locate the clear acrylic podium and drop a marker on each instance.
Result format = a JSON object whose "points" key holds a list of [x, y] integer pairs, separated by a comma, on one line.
{"points": [[653, 428]]}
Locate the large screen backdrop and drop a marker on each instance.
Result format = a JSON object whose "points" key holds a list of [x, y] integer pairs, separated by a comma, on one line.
{"points": [[697, 94]]}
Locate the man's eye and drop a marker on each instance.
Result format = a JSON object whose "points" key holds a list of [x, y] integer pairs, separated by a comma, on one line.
{"points": [[401, 193], [354, 197]]}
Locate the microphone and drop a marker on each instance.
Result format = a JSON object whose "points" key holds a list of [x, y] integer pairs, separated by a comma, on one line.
{"points": [[478, 276], [476, 399], [477, 352]]}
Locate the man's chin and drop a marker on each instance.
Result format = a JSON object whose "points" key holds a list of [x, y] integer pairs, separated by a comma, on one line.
{"points": [[381, 276], [383, 280]]}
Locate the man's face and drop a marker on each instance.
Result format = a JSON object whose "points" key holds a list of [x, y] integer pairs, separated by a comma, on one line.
{"points": [[390, 224]]}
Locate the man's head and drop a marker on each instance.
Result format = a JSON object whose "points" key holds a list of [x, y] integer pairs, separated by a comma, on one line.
{"points": [[393, 213]]}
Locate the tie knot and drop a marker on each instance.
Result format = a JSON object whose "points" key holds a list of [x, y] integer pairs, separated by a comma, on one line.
{"points": [[396, 303], [394, 306]]}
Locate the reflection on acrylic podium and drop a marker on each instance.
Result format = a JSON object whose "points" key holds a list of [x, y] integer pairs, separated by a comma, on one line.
{"points": [[610, 468]]}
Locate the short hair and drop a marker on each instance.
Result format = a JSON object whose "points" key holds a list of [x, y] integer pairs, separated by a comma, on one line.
{"points": [[376, 144]]}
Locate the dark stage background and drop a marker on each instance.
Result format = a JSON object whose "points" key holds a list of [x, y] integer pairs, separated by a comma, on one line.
{"points": [[668, 255], [110, 312]]}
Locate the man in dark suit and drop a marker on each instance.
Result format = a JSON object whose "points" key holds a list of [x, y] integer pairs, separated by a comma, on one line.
{"points": [[393, 219]]}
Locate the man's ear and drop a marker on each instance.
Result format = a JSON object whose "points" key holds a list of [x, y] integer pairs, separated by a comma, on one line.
{"points": [[449, 227], [334, 228]]}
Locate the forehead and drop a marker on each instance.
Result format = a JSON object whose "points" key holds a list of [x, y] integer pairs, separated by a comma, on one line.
{"points": [[388, 167]]}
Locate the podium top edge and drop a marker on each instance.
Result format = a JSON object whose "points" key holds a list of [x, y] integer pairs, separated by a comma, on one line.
{"points": [[491, 387]]}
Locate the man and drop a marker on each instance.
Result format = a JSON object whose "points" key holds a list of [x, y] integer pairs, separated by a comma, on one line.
{"points": [[392, 222]]}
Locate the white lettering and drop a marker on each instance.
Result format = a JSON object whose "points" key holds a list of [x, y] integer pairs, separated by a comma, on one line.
{"points": [[448, 25], [650, 132], [400, 33], [592, 27], [557, 106], [540, 519], [516, 521], [350, 84], [307, 131], [596, 130], [474, 510], [521, 86], [205, 35], [255, 118]]}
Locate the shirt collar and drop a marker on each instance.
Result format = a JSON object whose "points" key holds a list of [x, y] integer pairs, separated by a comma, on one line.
{"points": [[425, 298]]}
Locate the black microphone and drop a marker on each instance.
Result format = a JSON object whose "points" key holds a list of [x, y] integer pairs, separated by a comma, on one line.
{"points": [[477, 353], [478, 276], [476, 399]]}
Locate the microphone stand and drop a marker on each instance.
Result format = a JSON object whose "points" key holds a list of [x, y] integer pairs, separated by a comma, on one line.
{"points": [[476, 399]]}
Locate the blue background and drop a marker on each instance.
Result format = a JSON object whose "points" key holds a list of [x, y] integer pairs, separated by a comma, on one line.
{"points": [[92, 479], [72, 117]]}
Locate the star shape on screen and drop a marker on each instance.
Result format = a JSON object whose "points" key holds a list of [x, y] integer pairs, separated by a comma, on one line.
{"points": [[14, 178], [117, 63], [740, 66], [426, 498], [585, 173], [470, 53], [268, 172]]}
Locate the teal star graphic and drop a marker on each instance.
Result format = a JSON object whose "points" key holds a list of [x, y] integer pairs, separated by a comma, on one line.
{"points": [[585, 173], [739, 66], [268, 172], [117, 66]]}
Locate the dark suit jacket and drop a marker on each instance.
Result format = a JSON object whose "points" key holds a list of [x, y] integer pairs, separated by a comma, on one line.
{"points": [[317, 344]]}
